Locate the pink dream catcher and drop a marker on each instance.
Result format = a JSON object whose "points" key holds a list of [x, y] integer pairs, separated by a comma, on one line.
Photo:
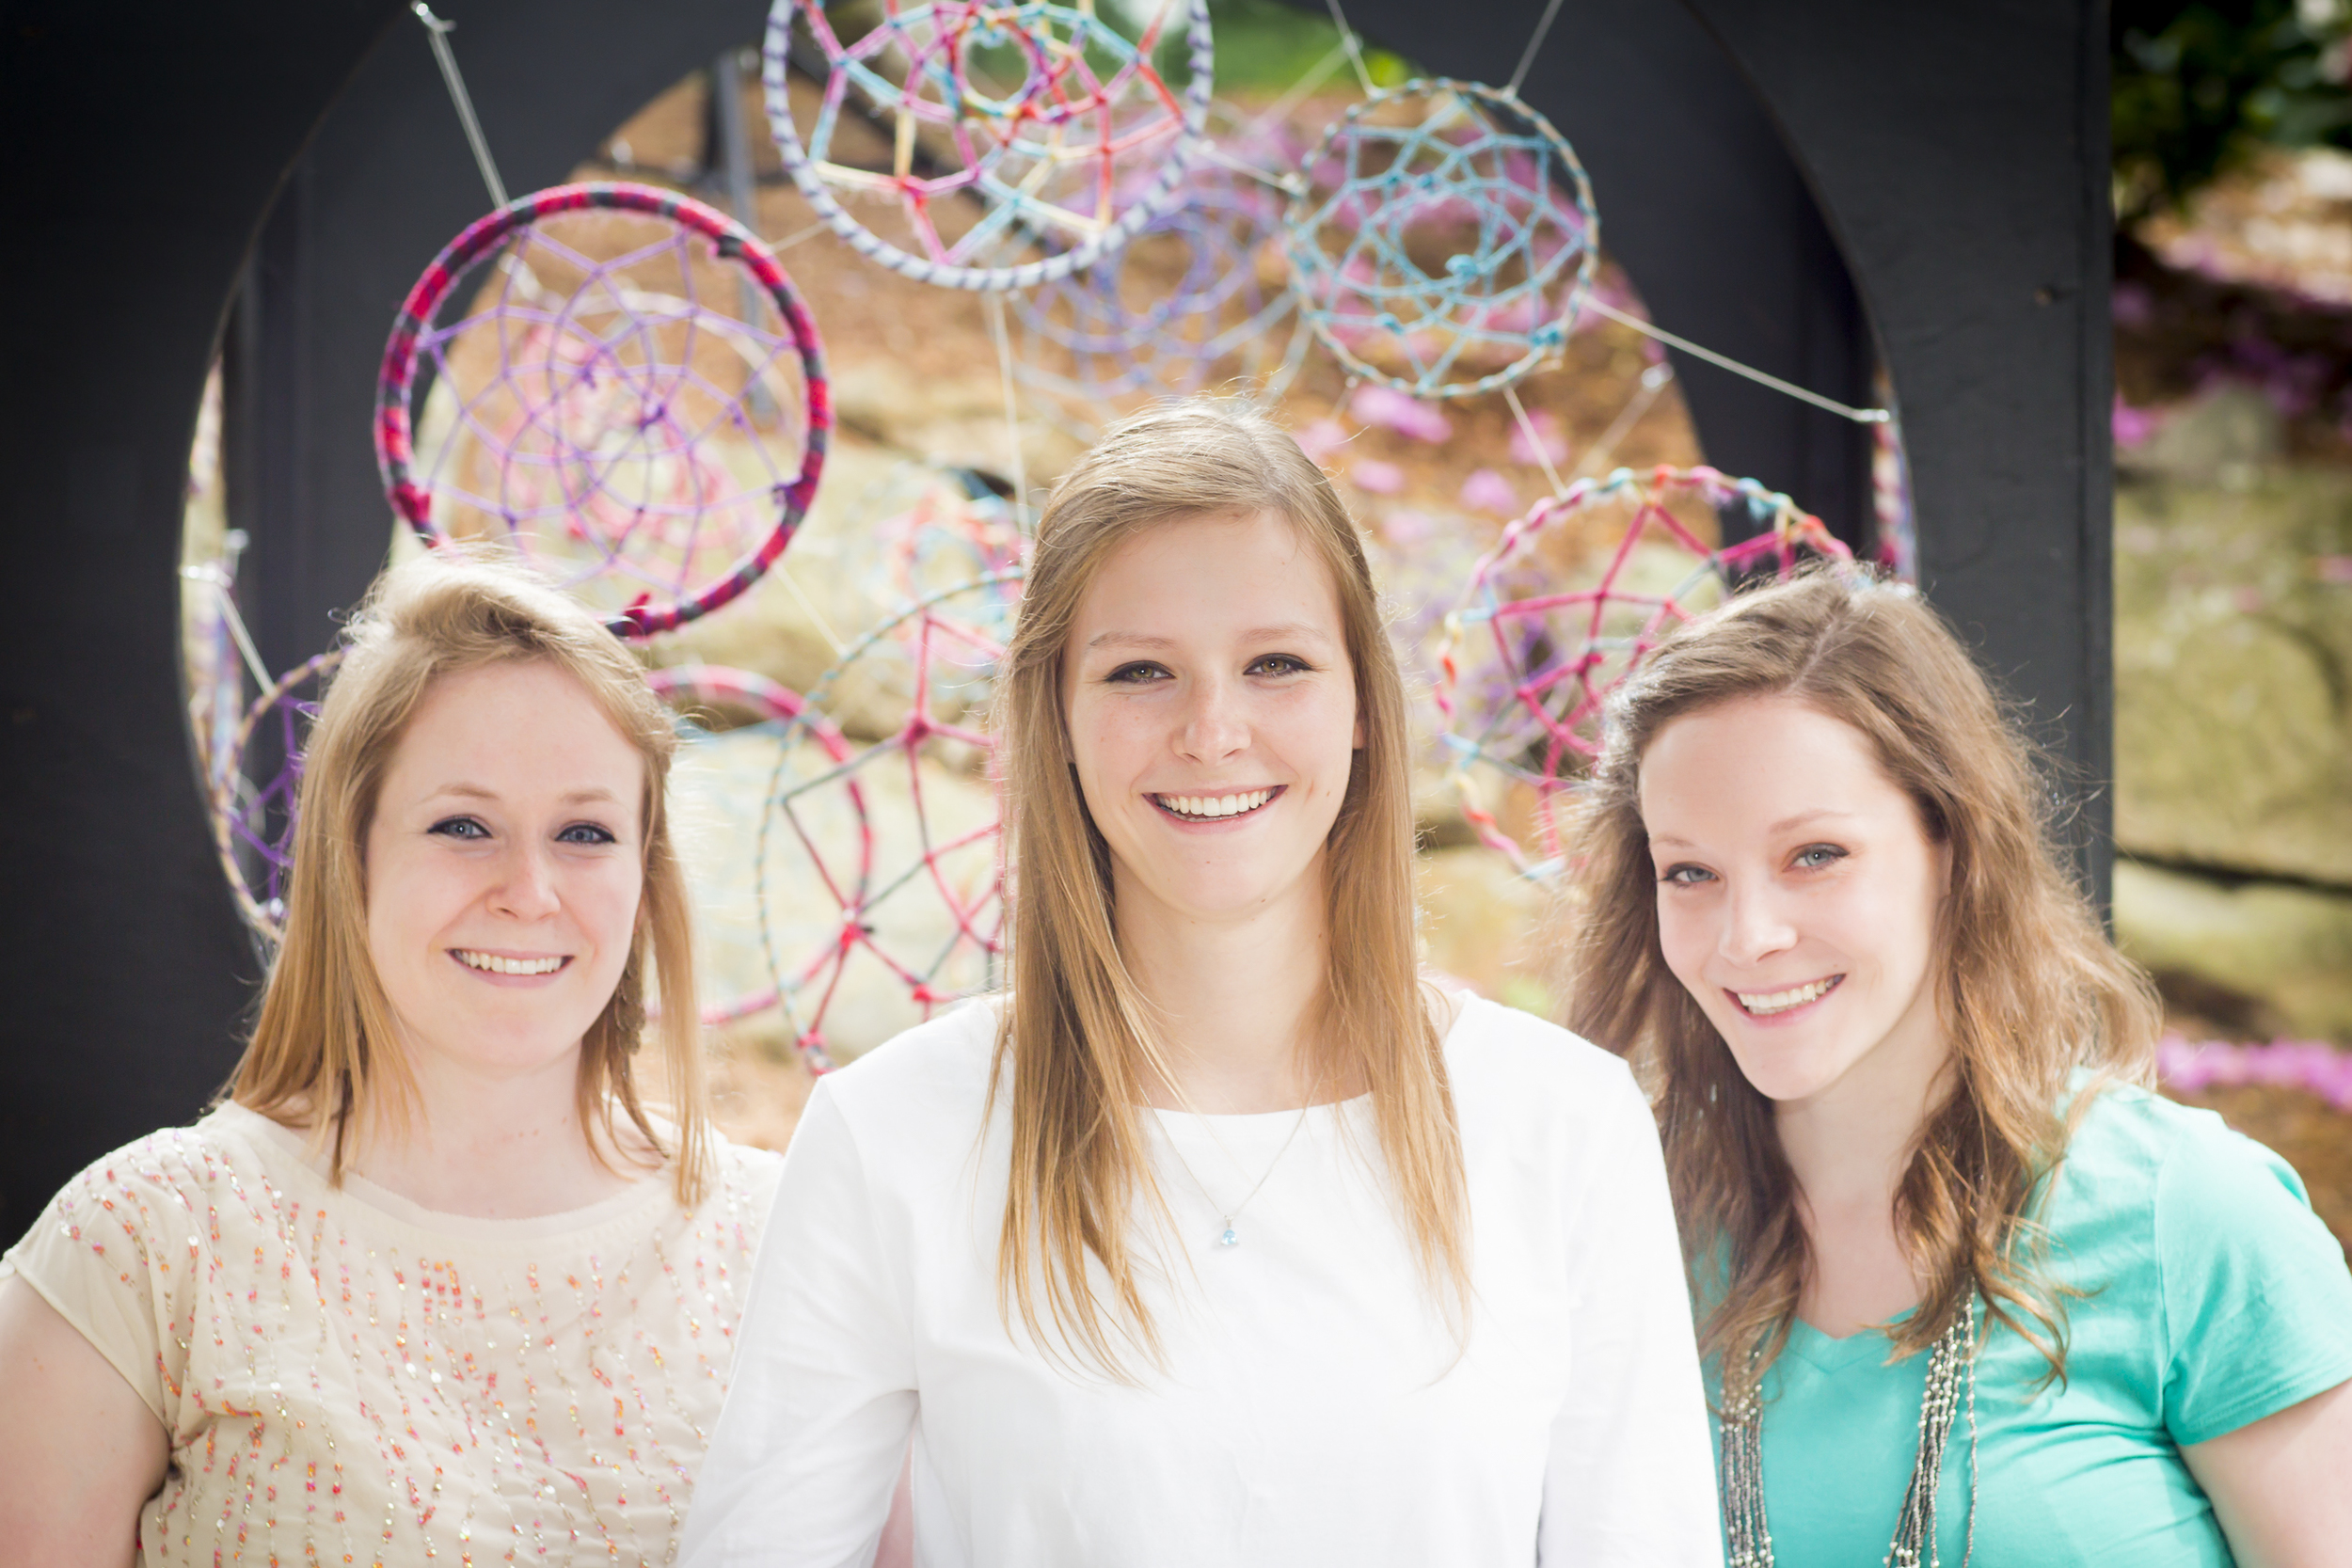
{"points": [[831, 826], [619, 383], [253, 819], [926, 919], [1532, 652]]}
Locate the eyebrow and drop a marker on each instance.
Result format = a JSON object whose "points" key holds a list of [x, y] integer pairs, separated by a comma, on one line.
{"points": [[1287, 629], [1784, 825], [480, 792]]}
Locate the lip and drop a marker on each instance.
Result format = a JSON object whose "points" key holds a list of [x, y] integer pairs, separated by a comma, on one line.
{"points": [[510, 982], [1787, 1016], [1217, 824]]}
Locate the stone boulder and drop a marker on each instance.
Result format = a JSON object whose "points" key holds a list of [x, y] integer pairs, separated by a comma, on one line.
{"points": [[2277, 956]]}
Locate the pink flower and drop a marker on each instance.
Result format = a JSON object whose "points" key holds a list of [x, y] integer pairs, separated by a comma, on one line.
{"points": [[1489, 491], [1375, 478], [2133, 425], [1547, 428], [1390, 409], [1321, 438]]}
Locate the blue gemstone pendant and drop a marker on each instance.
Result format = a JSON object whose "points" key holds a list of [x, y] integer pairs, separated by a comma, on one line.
{"points": [[1228, 1239]]}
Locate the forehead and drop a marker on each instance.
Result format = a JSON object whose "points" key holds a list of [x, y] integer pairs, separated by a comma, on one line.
{"points": [[518, 724], [1211, 573], [1756, 762]]}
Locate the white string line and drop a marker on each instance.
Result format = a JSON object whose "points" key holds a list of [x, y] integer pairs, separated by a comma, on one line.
{"points": [[1527, 428], [1289, 184], [996, 302], [1354, 48], [1527, 55], [1859, 416], [214, 577], [1653, 381], [436, 33], [1279, 109]]}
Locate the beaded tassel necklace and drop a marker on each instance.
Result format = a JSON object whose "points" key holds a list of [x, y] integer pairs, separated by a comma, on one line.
{"points": [[1951, 1368]]}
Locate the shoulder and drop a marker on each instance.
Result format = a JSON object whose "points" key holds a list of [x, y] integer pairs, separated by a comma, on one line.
{"points": [[920, 1082], [157, 1182], [1497, 1057], [2130, 1141]]}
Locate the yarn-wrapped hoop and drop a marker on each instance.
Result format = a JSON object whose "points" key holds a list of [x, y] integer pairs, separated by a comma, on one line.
{"points": [[807, 743], [1444, 239], [1073, 153], [1202, 286], [253, 819], [630, 392], [1542, 633]]}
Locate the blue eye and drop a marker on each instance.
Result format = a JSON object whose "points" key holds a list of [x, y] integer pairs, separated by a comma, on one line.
{"points": [[1686, 876], [586, 833], [1815, 856], [459, 828]]}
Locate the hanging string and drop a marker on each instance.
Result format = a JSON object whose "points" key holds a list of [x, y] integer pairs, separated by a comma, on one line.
{"points": [[1535, 439], [1354, 46], [1859, 416], [1653, 381], [1012, 411], [436, 33], [1527, 55]]}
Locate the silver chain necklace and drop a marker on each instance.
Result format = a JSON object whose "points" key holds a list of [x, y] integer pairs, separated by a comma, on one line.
{"points": [[1228, 1236], [1952, 1367]]}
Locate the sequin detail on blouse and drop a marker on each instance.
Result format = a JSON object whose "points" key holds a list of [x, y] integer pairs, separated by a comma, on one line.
{"points": [[348, 1382]]}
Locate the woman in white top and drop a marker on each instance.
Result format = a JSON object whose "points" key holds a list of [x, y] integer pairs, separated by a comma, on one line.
{"points": [[1222, 1239], [431, 1283]]}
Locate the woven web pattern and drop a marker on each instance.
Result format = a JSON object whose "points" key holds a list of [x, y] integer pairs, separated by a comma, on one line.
{"points": [[253, 818], [1056, 124], [927, 917], [1532, 650], [1201, 291], [1444, 239], [622, 386], [830, 823]]}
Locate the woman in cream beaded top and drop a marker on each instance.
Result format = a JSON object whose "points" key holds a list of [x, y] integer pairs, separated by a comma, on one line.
{"points": [[431, 1282]]}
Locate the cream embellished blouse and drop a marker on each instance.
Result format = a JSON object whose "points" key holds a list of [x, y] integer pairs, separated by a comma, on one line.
{"points": [[348, 1378]]}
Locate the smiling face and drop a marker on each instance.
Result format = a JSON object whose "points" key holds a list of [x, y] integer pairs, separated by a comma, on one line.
{"points": [[1797, 897], [504, 864], [1212, 713]]}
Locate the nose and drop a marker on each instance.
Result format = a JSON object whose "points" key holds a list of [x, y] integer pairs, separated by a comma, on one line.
{"points": [[527, 889], [1216, 727], [1755, 927]]}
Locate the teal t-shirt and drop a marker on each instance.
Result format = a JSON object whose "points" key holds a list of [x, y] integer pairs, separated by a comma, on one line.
{"points": [[2218, 1298]]}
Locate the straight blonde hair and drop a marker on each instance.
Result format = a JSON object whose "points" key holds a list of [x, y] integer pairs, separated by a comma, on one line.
{"points": [[324, 1047], [2028, 989], [1076, 1044]]}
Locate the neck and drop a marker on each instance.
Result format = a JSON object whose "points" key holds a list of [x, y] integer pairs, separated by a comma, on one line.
{"points": [[490, 1145], [1236, 1001]]}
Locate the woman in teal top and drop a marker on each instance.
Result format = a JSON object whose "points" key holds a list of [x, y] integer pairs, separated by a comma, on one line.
{"points": [[1967, 1289]]}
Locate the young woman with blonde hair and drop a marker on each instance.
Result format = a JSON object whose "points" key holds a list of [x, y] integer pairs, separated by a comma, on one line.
{"points": [[1222, 1239], [1965, 1286], [431, 1281]]}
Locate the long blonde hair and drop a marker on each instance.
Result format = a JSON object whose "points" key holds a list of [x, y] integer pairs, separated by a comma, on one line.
{"points": [[1076, 1042], [2028, 988], [322, 1049]]}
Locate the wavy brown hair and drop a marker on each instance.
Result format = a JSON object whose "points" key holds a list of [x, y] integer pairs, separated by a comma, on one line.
{"points": [[322, 1049], [1076, 1046], [2028, 989]]}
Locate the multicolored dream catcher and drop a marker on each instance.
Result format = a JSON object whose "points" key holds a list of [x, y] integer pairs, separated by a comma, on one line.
{"points": [[1453, 170], [924, 924], [1056, 124], [1201, 291], [253, 817], [1569, 601], [619, 381], [717, 773]]}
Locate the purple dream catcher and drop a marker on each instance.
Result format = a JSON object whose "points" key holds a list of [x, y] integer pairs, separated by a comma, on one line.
{"points": [[253, 819], [1059, 126], [622, 386], [1202, 287], [1443, 240], [1532, 651]]}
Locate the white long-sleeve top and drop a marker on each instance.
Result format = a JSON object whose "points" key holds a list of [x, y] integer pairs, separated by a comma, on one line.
{"points": [[1314, 1405]]}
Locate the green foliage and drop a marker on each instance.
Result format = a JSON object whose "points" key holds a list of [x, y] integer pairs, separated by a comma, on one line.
{"points": [[1266, 46], [2199, 87]]}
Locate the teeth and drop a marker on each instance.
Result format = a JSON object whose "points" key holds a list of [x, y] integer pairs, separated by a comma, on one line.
{"points": [[491, 963], [1781, 1001], [1210, 806]]}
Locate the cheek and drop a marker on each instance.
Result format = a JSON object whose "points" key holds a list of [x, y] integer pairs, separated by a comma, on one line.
{"points": [[1683, 935]]}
